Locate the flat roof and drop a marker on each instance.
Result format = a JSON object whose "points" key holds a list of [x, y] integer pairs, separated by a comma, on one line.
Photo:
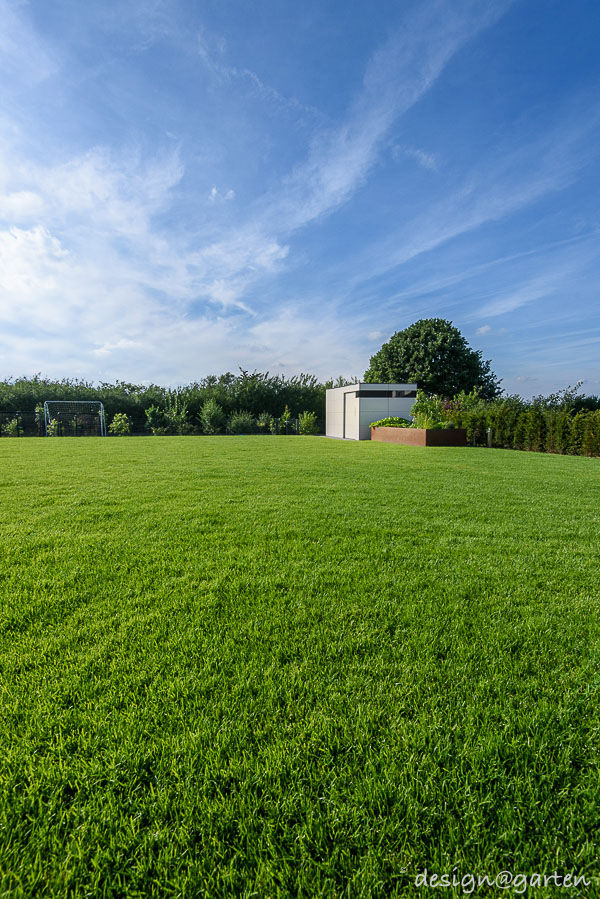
{"points": [[364, 385]]}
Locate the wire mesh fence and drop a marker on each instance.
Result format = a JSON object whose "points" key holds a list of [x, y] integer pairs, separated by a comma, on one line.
{"points": [[286, 426], [21, 424]]}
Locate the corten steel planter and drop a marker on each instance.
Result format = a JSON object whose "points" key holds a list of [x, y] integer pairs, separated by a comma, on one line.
{"points": [[421, 436]]}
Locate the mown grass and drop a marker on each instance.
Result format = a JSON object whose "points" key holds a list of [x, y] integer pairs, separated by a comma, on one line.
{"points": [[294, 666]]}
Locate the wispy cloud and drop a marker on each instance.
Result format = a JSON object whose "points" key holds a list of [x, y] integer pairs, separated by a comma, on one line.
{"points": [[215, 194], [212, 51], [425, 160], [163, 266], [397, 76]]}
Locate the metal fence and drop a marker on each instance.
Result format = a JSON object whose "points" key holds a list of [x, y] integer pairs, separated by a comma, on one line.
{"points": [[287, 426], [21, 424]]}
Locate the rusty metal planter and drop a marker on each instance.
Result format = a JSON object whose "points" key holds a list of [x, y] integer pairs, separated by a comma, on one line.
{"points": [[421, 436]]}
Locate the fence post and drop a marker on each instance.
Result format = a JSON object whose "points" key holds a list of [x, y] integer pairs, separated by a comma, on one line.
{"points": [[489, 436]]}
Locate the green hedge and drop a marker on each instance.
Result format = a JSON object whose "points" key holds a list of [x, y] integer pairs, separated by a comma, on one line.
{"points": [[535, 429]]}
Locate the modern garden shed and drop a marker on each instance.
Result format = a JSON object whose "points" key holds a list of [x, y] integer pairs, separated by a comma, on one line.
{"points": [[350, 410]]}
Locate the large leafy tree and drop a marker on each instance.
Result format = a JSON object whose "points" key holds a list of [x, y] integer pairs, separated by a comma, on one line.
{"points": [[433, 353]]}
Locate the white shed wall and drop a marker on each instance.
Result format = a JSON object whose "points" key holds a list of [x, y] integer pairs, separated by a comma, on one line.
{"points": [[349, 415], [334, 413]]}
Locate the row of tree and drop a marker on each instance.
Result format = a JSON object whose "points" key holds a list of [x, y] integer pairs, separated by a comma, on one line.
{"points": [[250, 392], [431, 352]]}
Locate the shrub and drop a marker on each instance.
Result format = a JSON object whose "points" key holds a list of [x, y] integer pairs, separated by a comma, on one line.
{"points": [[11, 428], [186, 428], [212, 417], [279, 425], [535, 430], [241, 422], [176, 413], [562, 431], [393, 422], [502, 417], [427, 410], [119, 426], [578, 426], [422, 420], [53, 428], [520, 431], [158, 421], [263, 422], [39, 418], [308, 423], [590, 444]]}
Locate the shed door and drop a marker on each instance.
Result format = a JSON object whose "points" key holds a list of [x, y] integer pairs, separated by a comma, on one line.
{"points": [[350, 416]]}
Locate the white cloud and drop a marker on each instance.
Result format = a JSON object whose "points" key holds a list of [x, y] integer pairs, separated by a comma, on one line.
{"points": [[120, 192], [215, 195], [20, 206], [212, 50], [123, 343], [33, 265], [84, 250], [485, 329], [426, 160]]}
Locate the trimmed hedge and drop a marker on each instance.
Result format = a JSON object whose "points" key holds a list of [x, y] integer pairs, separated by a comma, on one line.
{"points": [[534, 429]]}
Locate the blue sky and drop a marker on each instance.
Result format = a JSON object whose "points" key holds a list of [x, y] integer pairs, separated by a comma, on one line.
{"points": [[187, 187]]}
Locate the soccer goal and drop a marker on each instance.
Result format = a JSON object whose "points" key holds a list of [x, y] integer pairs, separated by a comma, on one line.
{"points": [[70, 418]]}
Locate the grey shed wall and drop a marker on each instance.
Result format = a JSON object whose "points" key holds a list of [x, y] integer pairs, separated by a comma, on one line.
{"points": [[350, 410]]}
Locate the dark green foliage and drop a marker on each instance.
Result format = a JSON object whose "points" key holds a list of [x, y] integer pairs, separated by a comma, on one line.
{"points": [[549, 424], [278, 425], [263, 422], [254, 392], [563, 430], [558, 429], [475, 423], [242, 423], [590, 444], [158, 421], [501, 417], [586, 404], [534, 430], [520, 432], [294, 668], [435, 355], [577, 431], [212, 417]]}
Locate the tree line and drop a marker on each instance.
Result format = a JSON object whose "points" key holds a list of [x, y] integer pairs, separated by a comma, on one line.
{"points": [[431, 352], [254, 393]]}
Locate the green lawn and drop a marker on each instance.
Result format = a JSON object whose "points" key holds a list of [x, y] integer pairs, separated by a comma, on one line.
{"points": [[264, 666]]}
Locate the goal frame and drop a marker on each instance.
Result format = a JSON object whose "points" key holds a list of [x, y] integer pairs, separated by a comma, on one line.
{"points": [[81, 407]]}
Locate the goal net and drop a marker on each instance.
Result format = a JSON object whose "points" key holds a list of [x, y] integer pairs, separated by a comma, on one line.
{"points": [[70, 418]]}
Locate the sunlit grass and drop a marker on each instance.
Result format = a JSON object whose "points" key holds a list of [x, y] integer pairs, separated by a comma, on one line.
{"points": [[293, 666]]}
